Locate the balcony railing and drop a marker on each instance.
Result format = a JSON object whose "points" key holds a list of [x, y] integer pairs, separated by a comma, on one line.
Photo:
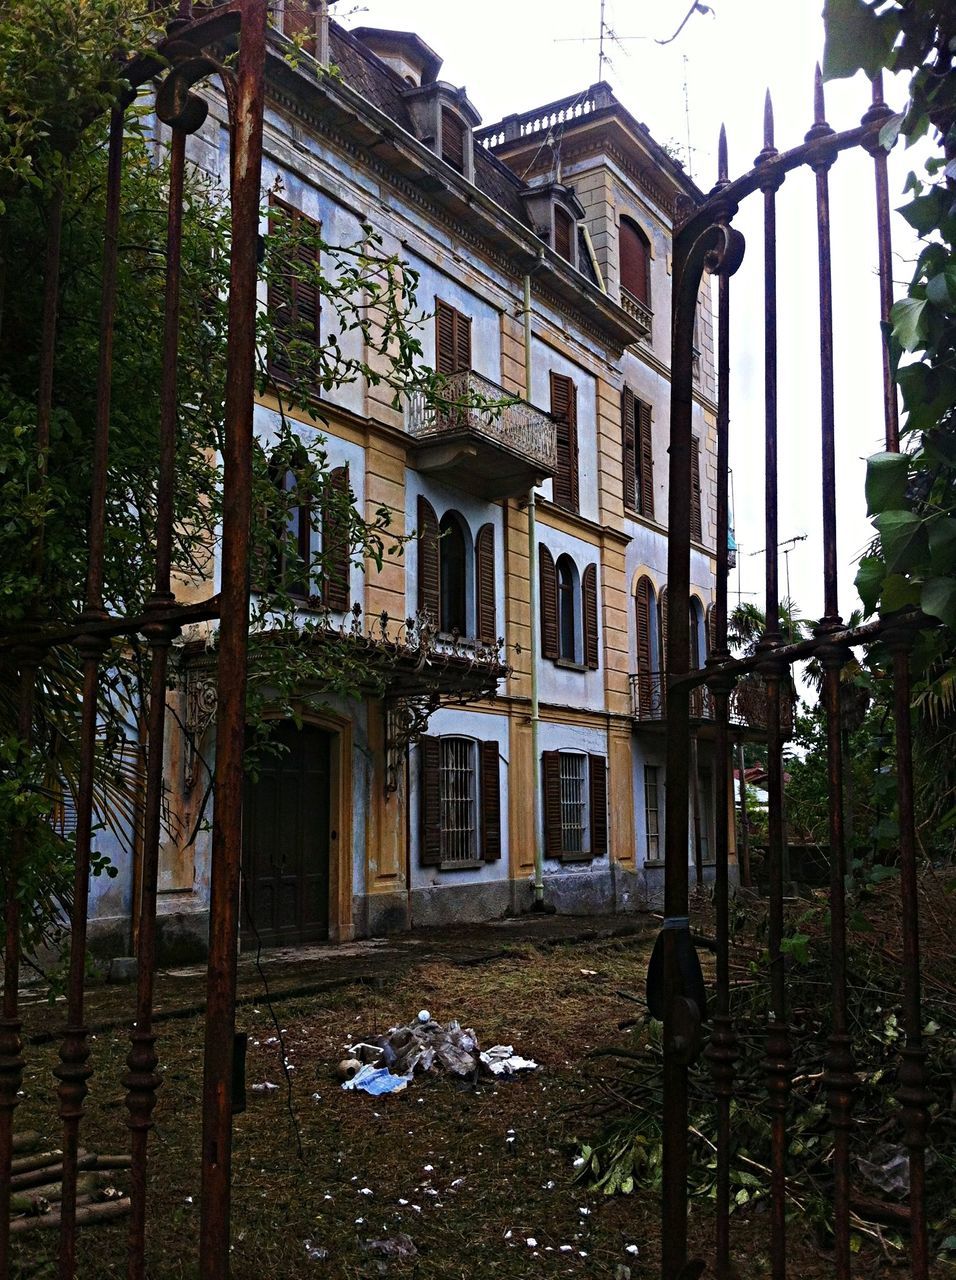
{"points": [[541, 119], [488, 411], [637, 310], [747, 708]]}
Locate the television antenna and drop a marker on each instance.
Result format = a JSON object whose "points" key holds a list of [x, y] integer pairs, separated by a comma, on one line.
{"points": [[606, 31]]}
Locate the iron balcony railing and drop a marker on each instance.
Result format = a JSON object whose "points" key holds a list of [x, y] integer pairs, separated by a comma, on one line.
{"points": [[636, 309], [747, 708], [472, 403]]}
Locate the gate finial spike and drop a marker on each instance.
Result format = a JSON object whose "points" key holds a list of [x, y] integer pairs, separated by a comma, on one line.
{"points": [[768, 120], [819, 111], [723, 169]]}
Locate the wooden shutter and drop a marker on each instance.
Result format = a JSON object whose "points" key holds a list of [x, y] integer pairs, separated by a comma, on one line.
{"points": [[429, 579], [696, 527], [430, 802], [485, 583], [551, 785], [294, 300], [548, 591], [662, 631], [629, 441], [642, 605], [711, 629], [589, 612], [462, 342], [564, 410], [444, 337], [490, 802], [634, 254], [336, 558], [563, 232], [645, 463], [597, 784], [452, 140]]}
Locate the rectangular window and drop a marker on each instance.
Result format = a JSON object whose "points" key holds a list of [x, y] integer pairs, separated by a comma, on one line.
{"points": [[696, 521], [457, 781], [294, 301], [453, 135], [452, 339], [564, 411], [652, 821], [574, 804], [638, 454]]}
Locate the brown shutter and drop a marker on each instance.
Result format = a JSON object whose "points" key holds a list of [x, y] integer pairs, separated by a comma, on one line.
{"points": [[634, 253], [294, 301], [444, 337], [645, 595], [711, 629], [336, 558], [563, 231], [452, 140], [551, 785], [589, 596], [696, 527], [485, 583], [490, 802], [548, 590], [429, 581], [645, 460], [564, 410], [430, 802], [629, 440], [462, 342], [597, 782], [662, 630]]}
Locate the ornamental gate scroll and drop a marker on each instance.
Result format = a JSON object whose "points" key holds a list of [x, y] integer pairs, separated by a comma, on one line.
{"points": [[194, 43], [707, 241]]}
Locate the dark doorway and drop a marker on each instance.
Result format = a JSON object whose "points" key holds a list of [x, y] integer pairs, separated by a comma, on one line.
{"points": [[285, 843]]}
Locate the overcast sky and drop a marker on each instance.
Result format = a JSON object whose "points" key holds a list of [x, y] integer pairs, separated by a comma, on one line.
{"points": [[512, 55]]}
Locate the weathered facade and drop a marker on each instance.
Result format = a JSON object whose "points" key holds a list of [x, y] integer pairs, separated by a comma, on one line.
{"points": [[542, 246]]}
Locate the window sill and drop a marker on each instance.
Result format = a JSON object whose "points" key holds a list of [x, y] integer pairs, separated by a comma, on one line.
{"points": [[474, 865], [576, 857], [566, 665]]}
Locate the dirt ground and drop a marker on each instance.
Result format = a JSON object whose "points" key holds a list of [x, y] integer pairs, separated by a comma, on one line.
{"points": [[431, 1163]]}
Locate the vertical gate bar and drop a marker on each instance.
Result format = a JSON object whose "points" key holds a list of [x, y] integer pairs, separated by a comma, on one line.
{"points": [[29, 659], [141, 1080], [246, 165], [778, 1049], [880, 111], [11, 1058], [743, 854], [838, 1075], [722, 1049], [912, 1092], [73, 1071]]}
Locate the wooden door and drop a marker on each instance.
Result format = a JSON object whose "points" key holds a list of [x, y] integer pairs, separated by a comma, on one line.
{"points": [[285, 843]]}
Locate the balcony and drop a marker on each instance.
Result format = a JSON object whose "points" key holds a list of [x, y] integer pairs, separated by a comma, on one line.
{"points": [[748, 705], [637, 310], [489, 443]]}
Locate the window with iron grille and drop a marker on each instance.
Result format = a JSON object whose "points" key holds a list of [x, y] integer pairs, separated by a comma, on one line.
{"points": [[458, 797], [652, 821], [575, 825]]}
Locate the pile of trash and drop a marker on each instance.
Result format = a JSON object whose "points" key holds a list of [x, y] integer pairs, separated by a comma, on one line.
{"points": [[386, 1064]]}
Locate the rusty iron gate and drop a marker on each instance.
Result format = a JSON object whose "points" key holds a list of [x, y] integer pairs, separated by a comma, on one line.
{"points": [[190, 52], [708, 242]]}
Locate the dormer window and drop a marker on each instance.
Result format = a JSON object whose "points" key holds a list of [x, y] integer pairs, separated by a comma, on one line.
{"points": [[453, 137], [564, 237]]}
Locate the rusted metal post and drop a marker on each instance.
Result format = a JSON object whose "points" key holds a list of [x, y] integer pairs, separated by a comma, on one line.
{"points": [[73, 1071], [722, 1051], [778, 1049], [838, 1077], [247, 114], [878, 114], [743, 851], [142, 1080]]}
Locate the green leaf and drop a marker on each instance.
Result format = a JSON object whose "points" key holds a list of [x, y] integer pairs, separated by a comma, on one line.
{"points": [[869, 582], [898, 593], [938, 599], [902, 537], [909, 322], [886, 475], [941, 288], [890, 132], [924, 213], [856, 39], [942, 546]]}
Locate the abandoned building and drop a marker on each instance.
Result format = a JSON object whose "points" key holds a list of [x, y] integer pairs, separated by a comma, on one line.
{"points": [[493, 775]]}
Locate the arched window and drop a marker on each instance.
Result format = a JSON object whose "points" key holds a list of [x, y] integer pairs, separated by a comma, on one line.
{"points": [[648, 689], [568, 611], [452, 567], [635, 259]]}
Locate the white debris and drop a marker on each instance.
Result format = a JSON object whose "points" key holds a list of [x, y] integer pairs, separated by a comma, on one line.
{"points": [[531, 1242], [632, 1249]]}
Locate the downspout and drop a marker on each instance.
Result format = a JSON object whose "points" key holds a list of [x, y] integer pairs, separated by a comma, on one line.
{"points": [[593, 256], [538, 904]]}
